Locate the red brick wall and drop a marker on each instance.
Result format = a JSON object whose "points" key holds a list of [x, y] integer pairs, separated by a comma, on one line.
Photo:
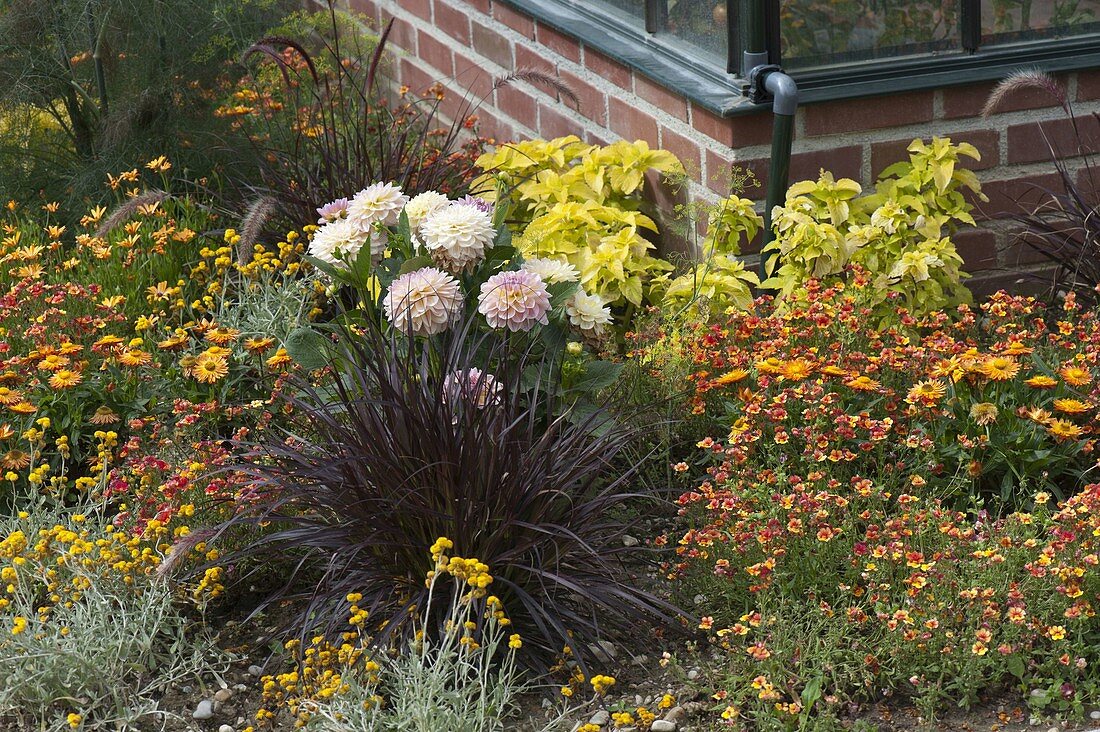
{"points": [[467, 43]]}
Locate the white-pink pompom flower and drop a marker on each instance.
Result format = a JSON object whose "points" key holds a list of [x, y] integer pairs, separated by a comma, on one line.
{"points": [[380, 203], [457, 236], [423, 302], [474, 386], [514, 300]]}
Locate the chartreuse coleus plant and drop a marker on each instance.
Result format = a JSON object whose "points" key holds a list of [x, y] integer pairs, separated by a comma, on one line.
{"points": [[901, 233], [582, 204]]}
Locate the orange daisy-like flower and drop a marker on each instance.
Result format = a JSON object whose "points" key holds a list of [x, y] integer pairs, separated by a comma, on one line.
{"points": [[281, 359], [9, 396], [1075, 374], [1015, 348], [15, 460], [1072, 406], [1036, 414], [862, 383], [23, 407], [1000, 368], [6, 432], [769, 366], [65, 379], [218, 352], [984, 413], [103, 415], [173, 343], [134, 357], [208, 369], [53, 362], [1063, 429], [831, 370], [107, 341], [797, 369], [948, 368], [221, 335], [926, 393], [258, 346], [730, 377], [1041, 381]]}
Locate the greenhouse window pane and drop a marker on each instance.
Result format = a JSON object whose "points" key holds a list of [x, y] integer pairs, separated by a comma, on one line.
{"points": [[630, 12], [698, 24], [820, 32], [1006, 21]]}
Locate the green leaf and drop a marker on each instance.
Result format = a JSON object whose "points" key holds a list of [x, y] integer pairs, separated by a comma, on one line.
{"points": [[1016, 667], [404, 232], [598, 375], [414, 263], [308, 348], [324, 267]]}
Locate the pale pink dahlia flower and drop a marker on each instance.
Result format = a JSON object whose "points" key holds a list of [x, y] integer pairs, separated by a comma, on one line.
{"points": [[474, 385], [423, 302], [514, 300]]}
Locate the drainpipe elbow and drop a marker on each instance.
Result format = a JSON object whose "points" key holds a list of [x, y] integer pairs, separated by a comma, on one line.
{"points": [[784, 91]]}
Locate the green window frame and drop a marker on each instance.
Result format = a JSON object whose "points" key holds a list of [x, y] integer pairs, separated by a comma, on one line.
{"points": [[712, 82]]}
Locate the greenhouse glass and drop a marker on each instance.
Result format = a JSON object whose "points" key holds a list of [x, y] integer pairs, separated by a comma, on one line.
{"points": [[832, 48]]}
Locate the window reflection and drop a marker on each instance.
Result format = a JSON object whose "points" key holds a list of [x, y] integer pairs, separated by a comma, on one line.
{"points": [[1012, 20], [817, 32], [701, 23]]}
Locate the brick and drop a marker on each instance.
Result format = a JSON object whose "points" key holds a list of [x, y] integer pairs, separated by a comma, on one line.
{"points": [[1007, 196], [491, 125], [720, 168], [631, 123], [414, 77], [482, 6], [606, 68], [518, 22], [885, 154], [552, 123], [661, 98], [529, 56], [403, 35], [592, 101], [1032, 142], [519, 105], [842, 162], [968, 100], [453, 22], [845, 116], [686, 150], [596, 136], [434, 53], [667, 198], [1020, 253], [472, 75], [1088, 85], [1015, 283], [492, 45], [977, 247], [366, 7], [735, 132], [419, 8], [557, 42]]}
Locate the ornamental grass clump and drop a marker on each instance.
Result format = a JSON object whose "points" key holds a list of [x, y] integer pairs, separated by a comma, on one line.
{"points": [[454, 435]]}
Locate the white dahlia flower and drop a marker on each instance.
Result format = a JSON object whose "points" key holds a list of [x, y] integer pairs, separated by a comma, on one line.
{"points": [[380, 203], [337, 242], [457, 236], [514, 300], [423, 302], [552, 271], [424, 205], [588, 312]]}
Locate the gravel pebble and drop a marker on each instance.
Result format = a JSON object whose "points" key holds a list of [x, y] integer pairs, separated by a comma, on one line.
{"points": [[255, 670], [1095, 714], [223, 695], [226, 728], [663, 725], [600, 718], [205, 710], [629, 540]]}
